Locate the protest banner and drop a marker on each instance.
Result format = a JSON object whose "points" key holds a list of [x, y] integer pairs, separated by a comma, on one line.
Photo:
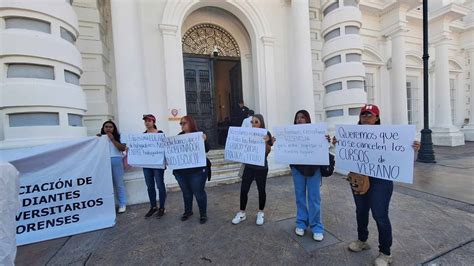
{"points": [[246, 145], [379, 151], [146, 150], [185, 151], [65, 189], [301, 144]]}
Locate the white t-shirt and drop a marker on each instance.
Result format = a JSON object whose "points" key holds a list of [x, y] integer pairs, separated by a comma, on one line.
{"points": [[247, 122], [114, 152]]}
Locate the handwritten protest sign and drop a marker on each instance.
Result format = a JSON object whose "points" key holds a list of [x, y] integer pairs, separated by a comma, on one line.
{"points": [[246, 145], [379, 151], [146, 149], [185, 151], [301, 144]]}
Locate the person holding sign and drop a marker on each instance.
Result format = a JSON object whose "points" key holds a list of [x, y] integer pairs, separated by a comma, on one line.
{"points": [[376, 198], [153, 175], [110, 129], [192, 181], [307, 182], [257, 173]]}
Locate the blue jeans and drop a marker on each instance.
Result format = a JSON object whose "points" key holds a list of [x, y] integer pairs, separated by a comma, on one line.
{"points": [[153, 176], [193, 184], [376, 199], [117, 178], [308, 201]]}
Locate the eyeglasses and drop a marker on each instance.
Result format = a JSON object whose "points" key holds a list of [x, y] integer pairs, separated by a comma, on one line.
{"points": [[367, 115], [255, 122]]}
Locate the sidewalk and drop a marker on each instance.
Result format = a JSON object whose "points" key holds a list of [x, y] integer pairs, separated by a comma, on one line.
{"points": [[427, 228]]}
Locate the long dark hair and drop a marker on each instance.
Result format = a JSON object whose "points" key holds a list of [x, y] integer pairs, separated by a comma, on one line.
{"points": [[191, 123], [115, 133], [260, 118], [306, 116]]}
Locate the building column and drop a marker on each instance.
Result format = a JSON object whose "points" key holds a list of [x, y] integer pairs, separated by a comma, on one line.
{"points": [[398, 76], [469, 128], [174, 77], [301, 58], [267, 93], [444, 132], [130, 80]]}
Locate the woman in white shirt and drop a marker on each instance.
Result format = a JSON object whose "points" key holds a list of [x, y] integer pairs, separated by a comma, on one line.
{"points": [[110, 129]]}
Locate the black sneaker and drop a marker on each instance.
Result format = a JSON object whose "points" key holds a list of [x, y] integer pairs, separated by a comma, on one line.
{"points": [[203, 219], [161, 212], [186, 216], [151, 212]]}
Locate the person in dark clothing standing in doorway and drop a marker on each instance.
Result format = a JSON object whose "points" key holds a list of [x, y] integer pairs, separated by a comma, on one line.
{"points": [[239, 114]]}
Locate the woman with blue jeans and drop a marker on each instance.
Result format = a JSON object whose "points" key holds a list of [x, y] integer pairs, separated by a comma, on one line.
{"points": [[110, 129], [376, 199], [153, 175], [307, 182], [192, 181]]}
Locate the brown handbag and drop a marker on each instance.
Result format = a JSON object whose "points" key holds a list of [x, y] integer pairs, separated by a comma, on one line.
{"points": [[360, 184]]}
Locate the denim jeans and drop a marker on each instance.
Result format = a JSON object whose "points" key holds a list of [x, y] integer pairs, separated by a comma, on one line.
{"points": [[308, 201], [193, 185], [376, 199], [153, 176], [117, 178]]}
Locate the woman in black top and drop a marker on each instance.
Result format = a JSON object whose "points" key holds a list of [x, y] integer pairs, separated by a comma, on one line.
{"points": [[192, 181], [257, 173]]}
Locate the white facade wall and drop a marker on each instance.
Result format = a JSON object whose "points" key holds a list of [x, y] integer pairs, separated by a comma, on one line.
{"points": [[132, 63], [36, 65]]}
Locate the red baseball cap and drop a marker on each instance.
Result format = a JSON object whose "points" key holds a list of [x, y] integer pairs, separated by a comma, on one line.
{"points": [[371, 108], [149, 116]]}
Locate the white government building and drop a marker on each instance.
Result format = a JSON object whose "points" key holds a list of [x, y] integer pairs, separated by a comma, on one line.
{"points": [[69, 65]]}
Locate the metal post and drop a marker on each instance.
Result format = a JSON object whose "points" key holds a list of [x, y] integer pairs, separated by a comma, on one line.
{"points": [[426, 153]]}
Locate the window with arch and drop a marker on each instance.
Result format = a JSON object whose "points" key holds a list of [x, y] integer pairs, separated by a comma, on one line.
{"points": [[332, 61], [332, 34], [351, 30], [331, 8], [353, 57], [334, 113], [208, 39], [27, 24]]}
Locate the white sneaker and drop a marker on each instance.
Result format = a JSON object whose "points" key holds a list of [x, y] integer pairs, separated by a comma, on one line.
{"points": [[299, 231], [383, 260], [122, 209], [358, 246], [260, 218], [239, 217], [318, 236]]}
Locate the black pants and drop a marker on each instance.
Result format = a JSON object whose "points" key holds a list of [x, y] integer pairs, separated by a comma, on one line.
{"points": [[377, 200], [260, 177]]}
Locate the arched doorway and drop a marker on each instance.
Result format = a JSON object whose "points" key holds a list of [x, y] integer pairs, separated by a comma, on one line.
{"points": [[213, 79]]}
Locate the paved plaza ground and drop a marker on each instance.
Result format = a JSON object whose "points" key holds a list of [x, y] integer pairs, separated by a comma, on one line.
{"points": [[433, 224]]}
